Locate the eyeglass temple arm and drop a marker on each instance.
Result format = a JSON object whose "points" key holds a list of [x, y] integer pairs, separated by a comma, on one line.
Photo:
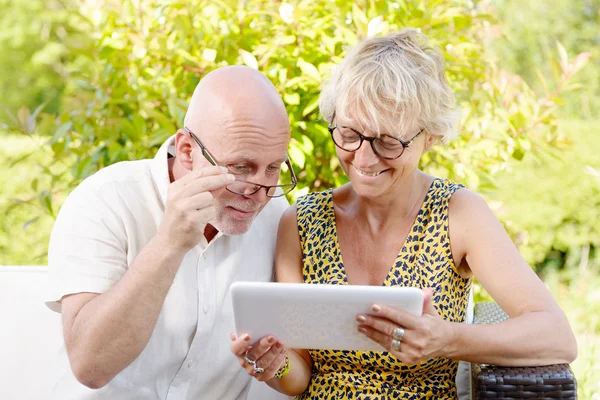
{"points": [[332, 118]]}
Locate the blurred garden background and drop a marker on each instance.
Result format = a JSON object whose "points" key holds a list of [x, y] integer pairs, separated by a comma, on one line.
{"points": [[87, 84]]}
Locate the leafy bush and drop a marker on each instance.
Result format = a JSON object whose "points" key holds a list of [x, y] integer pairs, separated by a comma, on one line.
{"points": [[38, 43], [24, 228], [551, 205], [530, 30], [146, 57]]}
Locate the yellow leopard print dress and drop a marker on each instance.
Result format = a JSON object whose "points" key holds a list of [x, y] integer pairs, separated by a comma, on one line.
{"points": [[425, 260]]}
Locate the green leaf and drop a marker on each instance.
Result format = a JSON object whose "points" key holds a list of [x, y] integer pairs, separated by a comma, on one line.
{"points": [[20, 159], [375, 26], [359, 18], [310, 107], [524, 144], [61, 132], [285, 40], [543, 81], [580, 61], [58, 148], [306, 144], [518, 120], [45, 199], [209, 55], [29, 222], [309, 70], [296, 155], [291, 99], [249, 59], [286, 11], [562, 52]]}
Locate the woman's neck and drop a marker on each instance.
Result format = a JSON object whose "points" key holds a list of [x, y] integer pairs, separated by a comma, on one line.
{"points": [[403, 204]]}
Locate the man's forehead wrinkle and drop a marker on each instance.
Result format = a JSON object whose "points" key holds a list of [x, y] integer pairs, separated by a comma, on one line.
{"points": [[246, 157], [243, 125], [237, 143]]}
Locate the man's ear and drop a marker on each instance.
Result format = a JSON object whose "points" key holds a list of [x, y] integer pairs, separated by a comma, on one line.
{"points": [[430, 140], [184, 146]]}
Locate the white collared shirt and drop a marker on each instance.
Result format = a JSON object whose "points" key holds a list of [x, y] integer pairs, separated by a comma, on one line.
{"points": [[101, 228]]}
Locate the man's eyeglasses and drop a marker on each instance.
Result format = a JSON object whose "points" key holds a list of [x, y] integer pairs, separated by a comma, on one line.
{"points": [[245, 188], [385, 146]]}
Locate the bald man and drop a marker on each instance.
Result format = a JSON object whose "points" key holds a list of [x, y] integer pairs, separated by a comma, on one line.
{"points": [[142, 253]]}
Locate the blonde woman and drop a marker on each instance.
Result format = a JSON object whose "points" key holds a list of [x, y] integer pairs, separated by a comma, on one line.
{"points": [[394, 225]]}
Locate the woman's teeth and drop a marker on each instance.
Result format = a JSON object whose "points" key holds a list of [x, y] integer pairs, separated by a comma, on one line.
{"points": [[365, 173]]}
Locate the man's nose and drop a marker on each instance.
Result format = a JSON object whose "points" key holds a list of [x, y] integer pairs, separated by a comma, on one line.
{"points": [[258, 197], [262, 179]]}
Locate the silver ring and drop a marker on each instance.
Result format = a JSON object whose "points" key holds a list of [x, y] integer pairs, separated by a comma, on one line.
{"points": [[396, 344], [258, 370], [398, 333], [248, 360]]}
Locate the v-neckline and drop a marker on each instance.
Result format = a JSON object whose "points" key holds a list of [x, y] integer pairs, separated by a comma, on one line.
{"points": [[403, 248]]}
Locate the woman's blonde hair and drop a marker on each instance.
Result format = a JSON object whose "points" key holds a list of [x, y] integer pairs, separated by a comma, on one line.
{"points": [[392, 84]]}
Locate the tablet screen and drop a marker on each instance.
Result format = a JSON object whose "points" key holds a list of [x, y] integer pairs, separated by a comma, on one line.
{"points": [[311, 316]]}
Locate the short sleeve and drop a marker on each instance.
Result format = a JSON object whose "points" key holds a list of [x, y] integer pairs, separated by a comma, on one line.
{"points": [[88, 245]]}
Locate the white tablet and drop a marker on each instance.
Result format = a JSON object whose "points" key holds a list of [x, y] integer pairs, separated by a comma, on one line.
{"points": [[311, 316]]}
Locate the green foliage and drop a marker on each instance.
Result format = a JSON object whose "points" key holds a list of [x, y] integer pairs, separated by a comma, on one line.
{"points": [[530, 30], [146, 58], [38, 42], [578, 293], [24, 225], [552, 205]]}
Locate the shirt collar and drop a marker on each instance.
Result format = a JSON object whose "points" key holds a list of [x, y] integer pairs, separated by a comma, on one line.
{"points": [[160, 169]]}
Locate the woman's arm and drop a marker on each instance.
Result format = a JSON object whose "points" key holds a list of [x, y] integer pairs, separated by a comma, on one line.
{"points": [[288, 268], [537, 332]]}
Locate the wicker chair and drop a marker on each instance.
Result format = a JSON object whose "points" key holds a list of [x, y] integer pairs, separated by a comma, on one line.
{"points": [[493, 382]]}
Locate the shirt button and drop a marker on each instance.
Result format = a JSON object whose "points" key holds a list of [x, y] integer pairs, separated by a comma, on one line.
{"points": [[190, 364], [205, 309]]}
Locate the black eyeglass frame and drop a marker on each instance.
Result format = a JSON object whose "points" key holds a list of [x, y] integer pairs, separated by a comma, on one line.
{"points": [[286, 188], [332, 127]]}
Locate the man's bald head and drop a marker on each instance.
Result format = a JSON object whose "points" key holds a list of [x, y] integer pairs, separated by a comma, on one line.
{"points": [[241, 121], [231, 92]]}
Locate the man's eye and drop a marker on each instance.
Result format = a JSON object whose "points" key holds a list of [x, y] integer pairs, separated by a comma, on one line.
{"points": [[239, 168]]}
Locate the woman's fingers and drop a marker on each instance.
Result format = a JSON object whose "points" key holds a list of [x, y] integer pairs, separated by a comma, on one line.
{"points": [[267, 359], [403, 352], [270, 362], [261, 347], [382, 325], [396, 315], [384, 340], [239, 345]]}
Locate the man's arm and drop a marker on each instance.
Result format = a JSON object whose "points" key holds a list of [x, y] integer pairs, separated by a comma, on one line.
{"points": [[105, 332]]}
